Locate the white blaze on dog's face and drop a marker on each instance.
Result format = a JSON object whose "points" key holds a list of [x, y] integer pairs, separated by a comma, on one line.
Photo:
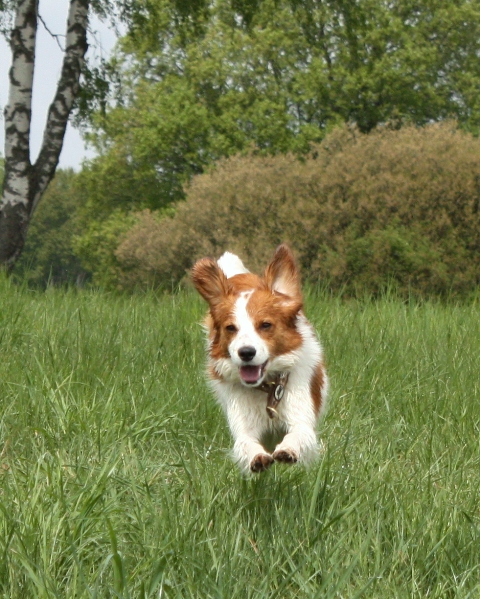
{"points": [[253, 320], [248, 350]]}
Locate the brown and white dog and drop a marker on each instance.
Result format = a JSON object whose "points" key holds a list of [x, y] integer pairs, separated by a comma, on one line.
{"points": [[265, 362]]}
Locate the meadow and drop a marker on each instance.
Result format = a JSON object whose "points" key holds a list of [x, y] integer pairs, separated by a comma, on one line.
{"points": [[116, 480]]}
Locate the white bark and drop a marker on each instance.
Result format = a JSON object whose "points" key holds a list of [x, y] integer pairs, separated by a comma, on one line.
{"points": [[18, 111], [67, 90], [24, 183]]}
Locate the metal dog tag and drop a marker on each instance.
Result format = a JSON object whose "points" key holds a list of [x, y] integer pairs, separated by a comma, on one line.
{"points": [[279, 391]]}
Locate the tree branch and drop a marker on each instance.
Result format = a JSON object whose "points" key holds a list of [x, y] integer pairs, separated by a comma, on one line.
{"points": [[55, 36], [67, 90]]}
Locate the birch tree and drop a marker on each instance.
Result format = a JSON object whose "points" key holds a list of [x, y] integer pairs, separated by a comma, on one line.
{"points": [[25, 182]]}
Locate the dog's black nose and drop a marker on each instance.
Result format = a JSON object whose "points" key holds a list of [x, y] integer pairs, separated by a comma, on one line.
{"points": [[247, 353]]}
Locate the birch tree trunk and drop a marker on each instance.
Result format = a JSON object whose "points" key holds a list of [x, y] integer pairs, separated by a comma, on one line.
{"points": [[24, 182]]}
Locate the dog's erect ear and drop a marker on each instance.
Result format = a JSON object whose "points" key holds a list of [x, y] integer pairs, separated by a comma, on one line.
{"points": [[210, 280], [281, 274]]}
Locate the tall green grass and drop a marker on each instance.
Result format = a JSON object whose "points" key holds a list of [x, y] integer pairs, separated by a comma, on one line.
{"points": [[115, 477]]}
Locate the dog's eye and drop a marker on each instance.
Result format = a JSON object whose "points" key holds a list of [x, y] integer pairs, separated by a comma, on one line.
{"points": [[265, 325], [231, 328]]}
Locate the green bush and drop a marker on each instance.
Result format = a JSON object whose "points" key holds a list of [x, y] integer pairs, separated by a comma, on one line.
{"points": [[361, 212], [398, 254], [48, 257], [96, 245]]}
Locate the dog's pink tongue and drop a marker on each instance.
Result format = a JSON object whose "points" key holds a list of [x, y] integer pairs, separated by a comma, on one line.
{"points": [[250, 374]]}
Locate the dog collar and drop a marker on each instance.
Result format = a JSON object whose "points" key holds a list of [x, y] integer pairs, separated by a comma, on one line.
{"points": [[275, 390]]}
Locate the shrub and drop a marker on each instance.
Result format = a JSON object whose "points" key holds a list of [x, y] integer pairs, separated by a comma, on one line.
{"points": [[96, 245], [48, 257], [360, 212]]}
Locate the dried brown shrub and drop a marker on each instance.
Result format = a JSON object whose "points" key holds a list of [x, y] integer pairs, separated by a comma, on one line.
{"points": [[362, 211]]}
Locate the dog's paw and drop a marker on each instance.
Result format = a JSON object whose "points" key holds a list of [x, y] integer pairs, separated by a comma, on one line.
{"points": [[286, 456], [261, 462]]}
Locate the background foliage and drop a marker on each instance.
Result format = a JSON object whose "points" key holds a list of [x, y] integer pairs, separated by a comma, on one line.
{"points": [[49, 256], [362, 211], [193, 83], [272, 72]]}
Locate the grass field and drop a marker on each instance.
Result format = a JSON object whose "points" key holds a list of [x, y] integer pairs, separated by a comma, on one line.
{"points": [[115, 477]]}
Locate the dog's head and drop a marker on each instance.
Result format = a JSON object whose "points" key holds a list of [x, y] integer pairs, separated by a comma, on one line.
{"points": [[252, 320]]}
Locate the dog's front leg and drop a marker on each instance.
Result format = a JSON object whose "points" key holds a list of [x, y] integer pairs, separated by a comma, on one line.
{"points": [[299, 445], [247, 429], [251, 455]]}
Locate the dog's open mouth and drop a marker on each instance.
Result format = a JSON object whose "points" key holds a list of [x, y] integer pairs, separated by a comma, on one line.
{"points": [[252, 374]]}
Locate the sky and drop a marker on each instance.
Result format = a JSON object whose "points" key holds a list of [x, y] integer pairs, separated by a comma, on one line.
{"points": [[47, 70]]}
